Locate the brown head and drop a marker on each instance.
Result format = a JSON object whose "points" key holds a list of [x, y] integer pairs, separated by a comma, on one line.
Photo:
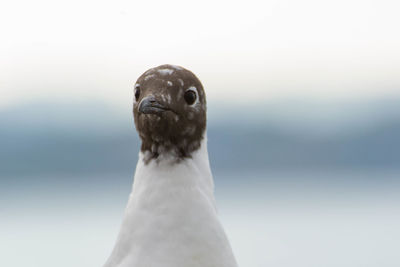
{"points": [[170, 112]]}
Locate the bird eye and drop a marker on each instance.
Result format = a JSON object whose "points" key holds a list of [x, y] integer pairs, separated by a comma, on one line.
{"points": [[190, 97], [137, 92]]}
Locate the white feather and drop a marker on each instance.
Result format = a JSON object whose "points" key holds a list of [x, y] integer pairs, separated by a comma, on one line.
{"points": [[171, 219]]}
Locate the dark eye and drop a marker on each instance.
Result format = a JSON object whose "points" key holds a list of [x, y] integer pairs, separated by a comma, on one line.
{"points": [[137, 92], [190, 97]]}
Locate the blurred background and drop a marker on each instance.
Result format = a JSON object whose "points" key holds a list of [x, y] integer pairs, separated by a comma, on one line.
{"points": [[303, 124]]}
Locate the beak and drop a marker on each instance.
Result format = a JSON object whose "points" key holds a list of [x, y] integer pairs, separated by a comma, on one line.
{"points": [[149, 105]]}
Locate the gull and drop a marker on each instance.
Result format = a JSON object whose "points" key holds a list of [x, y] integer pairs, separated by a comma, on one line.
{"points": [[171, 218]]}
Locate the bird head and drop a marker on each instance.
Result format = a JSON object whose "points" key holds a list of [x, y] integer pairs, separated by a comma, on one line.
{"points": [[169, 111]]}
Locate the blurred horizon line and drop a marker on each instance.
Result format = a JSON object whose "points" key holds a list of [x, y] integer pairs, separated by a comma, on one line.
{"points": [[93, 137]]}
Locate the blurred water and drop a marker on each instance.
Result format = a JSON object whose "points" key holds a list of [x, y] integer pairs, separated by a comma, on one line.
{"points": [[336, 218]]}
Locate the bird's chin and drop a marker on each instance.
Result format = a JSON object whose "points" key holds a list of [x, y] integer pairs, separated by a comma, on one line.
{"points": [[157, 123], [155, 120]]}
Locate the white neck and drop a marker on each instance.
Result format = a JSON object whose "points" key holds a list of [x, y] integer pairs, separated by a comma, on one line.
{"points": [[165, 173], [170, 219]]}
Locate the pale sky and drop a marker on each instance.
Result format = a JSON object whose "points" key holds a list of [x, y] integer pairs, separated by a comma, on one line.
{"points": [[241, 50]]}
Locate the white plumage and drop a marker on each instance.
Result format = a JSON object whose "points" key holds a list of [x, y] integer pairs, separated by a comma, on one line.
{"points": [[171, 219]]}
